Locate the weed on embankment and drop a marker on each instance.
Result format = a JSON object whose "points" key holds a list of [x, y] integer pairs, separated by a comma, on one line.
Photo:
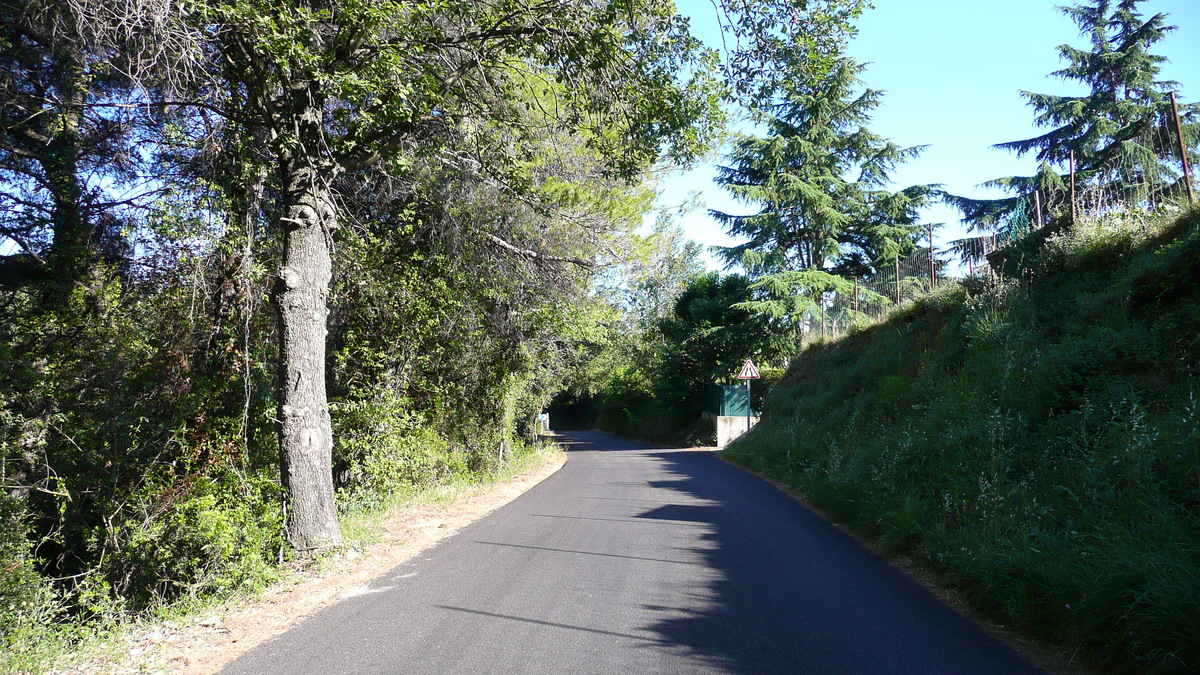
{"points": [[1035, 440]]}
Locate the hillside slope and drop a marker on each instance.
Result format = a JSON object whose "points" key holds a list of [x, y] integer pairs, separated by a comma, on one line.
{"points": [[1034, 440]]}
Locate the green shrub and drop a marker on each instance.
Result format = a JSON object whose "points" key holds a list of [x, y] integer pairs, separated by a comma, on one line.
{"points": [[381, 448], [205, 535], [28, 604]]}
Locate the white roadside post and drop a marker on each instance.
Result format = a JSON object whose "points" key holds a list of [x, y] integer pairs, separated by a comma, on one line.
{"points": [[749, 372]]}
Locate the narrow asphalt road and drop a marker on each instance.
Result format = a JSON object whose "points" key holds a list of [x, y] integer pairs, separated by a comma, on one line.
{"points": [[634, 559]]}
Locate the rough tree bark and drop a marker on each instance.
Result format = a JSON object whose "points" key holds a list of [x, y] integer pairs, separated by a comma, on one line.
{"points": [[305, 431]]}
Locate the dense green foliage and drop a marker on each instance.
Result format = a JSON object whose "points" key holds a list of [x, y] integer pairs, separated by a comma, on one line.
{"points": [[818, 178], [256, 249], [704, 339], [1033, 439], [820, 182], [141, 358]]}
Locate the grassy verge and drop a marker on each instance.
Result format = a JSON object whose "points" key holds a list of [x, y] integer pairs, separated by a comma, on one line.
{"points": [[1034, 441], [102, 642], [361, 528]]}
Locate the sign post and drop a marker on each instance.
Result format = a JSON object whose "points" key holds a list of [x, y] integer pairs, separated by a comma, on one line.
{"points": [[749, 372]]}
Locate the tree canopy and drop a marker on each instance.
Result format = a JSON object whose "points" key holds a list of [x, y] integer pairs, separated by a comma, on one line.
{"points": [[309, 251], [820, 179], [1119, 136]]}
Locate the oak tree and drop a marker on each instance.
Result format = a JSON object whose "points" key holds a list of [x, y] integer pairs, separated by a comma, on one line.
{"points": [[343, 86]]}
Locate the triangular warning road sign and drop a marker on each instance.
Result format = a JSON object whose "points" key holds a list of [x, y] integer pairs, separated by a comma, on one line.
{"points": [[749, 372]]}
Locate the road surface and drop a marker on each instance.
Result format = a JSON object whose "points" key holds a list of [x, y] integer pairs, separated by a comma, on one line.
{"points": [[634, 559]]}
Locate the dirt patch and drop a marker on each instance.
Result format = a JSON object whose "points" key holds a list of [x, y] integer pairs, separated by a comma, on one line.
{"points": [[210, 641]]}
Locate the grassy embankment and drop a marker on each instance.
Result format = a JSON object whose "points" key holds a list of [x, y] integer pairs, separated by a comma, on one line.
{"points": [[1035, 441]]}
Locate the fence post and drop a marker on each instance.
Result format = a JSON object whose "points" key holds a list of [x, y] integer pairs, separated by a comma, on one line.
{"points": [[855, 296], [1037, 206], [932, 262], [995, 247], [895, 284], [1187, 173], [1072, 188]]}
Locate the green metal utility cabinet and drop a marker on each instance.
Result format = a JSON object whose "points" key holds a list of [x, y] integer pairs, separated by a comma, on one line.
{"points": [[726, 400]]}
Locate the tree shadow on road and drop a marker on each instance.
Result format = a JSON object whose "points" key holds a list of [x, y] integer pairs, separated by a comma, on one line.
{"points": [[793, 594]]}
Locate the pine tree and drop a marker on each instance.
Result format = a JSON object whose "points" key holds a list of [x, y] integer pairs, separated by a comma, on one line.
{"points": [[819, 176], [1120, 133]]}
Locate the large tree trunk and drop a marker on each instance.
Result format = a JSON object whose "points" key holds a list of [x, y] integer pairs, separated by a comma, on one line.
{"points": [[70, 258], [305, 434], [71, 241]]}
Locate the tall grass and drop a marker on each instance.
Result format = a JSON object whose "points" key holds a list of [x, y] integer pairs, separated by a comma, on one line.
{"points": [[1036, 440]]}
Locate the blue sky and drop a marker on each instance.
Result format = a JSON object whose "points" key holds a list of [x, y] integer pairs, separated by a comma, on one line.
{"points": [[952, 71]]}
